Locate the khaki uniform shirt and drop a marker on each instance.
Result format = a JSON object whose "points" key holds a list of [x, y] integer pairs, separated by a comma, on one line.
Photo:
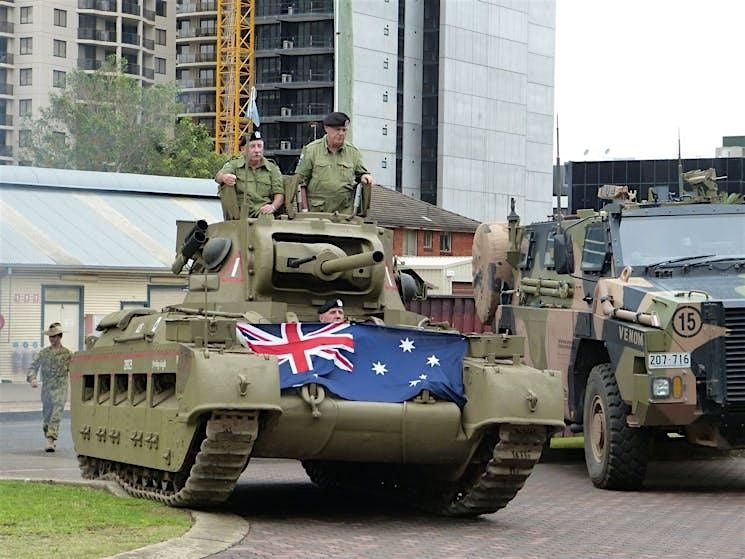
{"points": [[253, 187], [53, 366], [330, 177]]}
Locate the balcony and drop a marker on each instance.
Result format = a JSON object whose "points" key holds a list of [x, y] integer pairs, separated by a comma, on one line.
{"points": [[89, 63], [132, 8], [199, 107], [193, 58], [6, 89], [6, 58], [133, 69], [297, 9], [192, 7], [149, 15], [6, 151], [6, 27], [148, 73], [149, 44], [131, 39], [197, 83], [197, 32], [90, 34], [6, 120], [100, 5]]}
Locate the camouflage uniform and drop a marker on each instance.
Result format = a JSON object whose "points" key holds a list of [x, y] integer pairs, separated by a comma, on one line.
{"points": [[253, 187], [330, 177], [54, 367]]}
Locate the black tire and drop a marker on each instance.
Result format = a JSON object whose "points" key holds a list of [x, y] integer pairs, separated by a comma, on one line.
{"points": [[616, 455]]}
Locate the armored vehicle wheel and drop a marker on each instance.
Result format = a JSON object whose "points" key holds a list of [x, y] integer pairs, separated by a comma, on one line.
{"points": [[616, 454]]}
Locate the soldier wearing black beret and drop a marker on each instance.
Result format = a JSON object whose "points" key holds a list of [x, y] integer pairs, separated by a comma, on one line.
{"points": [[249, 181], [331, 167], [331, 311]]}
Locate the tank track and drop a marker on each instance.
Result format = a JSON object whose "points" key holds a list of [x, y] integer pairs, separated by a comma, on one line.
{"points": [[488, 483], [207, 479]]}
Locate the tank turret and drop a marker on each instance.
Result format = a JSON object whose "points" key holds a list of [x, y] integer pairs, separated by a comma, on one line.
{"points": [[172, 404]]}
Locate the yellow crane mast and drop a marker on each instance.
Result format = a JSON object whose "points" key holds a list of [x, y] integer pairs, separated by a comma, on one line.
{"points": [[235, 72]]}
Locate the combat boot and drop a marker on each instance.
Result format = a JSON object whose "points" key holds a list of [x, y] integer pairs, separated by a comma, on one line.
{"points": [[50, 444]]}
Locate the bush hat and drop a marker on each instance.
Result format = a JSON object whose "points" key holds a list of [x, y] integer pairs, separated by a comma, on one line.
{"points": [[55, 329]]}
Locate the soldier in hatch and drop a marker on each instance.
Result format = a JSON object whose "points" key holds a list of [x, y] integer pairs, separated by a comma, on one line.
{"points": [[250, 182], [330, 167], [331, 311], [52, 364]]}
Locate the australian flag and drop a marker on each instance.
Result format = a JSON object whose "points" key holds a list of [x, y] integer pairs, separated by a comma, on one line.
{"points": [[363, 361]]}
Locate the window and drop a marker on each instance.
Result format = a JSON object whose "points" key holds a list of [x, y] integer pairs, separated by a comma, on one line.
{"points": [[24, 76], [445, 242], [24, 138], [24, 107], [26, 14], [27, 45], [160, 65], [60, 18], [160, 36], [427, 240], [60, 48], [161, 8], [594, 251], [58, 78], [410, 242]]}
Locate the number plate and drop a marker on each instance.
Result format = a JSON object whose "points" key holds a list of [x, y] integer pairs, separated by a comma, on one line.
{"points": [[669, 360]]}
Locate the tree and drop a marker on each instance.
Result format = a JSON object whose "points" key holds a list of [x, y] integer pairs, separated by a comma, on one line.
{"points": [[106, 121]]}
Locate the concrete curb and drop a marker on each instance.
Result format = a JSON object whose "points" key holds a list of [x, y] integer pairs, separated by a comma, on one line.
{"points": [[212, 532]]}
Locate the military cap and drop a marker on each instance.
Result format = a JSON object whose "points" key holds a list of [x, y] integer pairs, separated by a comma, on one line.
{"points": [[55, 329], [336, 119], [330, 304], [254, 135]]}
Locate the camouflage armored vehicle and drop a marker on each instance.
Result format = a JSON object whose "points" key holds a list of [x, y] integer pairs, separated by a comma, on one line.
{"points": [[641, 306], [173, 404]]}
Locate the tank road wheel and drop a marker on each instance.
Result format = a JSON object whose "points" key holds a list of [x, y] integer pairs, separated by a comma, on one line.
{"points": [[616, 455]]}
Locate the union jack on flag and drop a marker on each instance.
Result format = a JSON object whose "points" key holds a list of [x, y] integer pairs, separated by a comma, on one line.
{"points": [[296, 347], [363, 362]]}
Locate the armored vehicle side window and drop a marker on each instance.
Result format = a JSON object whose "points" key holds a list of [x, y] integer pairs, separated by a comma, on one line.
{"points": [[528, 248], [594, 249], [548, 254]]}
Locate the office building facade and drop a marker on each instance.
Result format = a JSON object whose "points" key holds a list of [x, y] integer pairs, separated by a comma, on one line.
{"points": [[42, 40]]}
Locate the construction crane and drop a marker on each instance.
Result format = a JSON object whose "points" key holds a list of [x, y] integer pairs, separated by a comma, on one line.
{"points": [[235, 72]]}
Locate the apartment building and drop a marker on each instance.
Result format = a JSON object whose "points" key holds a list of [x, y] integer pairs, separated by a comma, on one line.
{"points": [[42, 40]]}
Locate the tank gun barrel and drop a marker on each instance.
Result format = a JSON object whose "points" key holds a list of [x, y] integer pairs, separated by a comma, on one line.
{"points": [[344, 263]]}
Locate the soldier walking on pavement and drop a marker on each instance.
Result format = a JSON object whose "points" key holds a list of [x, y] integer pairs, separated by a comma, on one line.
{"points": [[330, 167], [53, 363], [250, 181]]}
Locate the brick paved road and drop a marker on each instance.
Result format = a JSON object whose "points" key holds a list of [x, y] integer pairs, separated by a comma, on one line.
{"points": [[688, 510]]}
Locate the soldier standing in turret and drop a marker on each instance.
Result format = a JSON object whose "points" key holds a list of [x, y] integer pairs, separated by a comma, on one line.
{"points": [[53, 362], [250, 180], [330, 167]]}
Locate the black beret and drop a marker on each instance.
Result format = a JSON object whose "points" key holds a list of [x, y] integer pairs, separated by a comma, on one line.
{"points": [[254, 135], [330, 304], [336, 119]]}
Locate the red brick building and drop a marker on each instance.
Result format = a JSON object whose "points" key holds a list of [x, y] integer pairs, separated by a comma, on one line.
{"points": [[419, 228]]}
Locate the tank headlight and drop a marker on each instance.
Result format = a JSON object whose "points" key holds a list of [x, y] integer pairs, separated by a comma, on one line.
{"points": [[660, 387]]}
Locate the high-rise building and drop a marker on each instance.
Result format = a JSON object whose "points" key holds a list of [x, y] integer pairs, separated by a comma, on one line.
{"points": [[42, 40]]}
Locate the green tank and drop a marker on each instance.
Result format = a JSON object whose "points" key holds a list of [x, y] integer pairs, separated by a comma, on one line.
{"points": [[172, 404]]}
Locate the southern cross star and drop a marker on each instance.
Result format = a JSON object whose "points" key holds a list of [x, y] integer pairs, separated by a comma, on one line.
{"points": [[407, 345], [432, 360], [379, 368]]}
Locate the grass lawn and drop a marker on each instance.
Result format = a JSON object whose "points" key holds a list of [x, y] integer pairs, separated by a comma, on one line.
{"points": [[48, 520]]}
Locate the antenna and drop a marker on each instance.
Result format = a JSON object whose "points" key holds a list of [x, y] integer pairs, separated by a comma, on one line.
{"points": [[557, 173], [680, 168]]}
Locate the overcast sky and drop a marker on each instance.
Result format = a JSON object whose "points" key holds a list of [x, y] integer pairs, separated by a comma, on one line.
{"points": [[629, 73]]}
